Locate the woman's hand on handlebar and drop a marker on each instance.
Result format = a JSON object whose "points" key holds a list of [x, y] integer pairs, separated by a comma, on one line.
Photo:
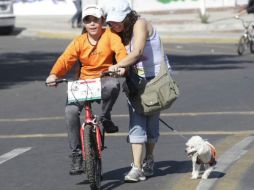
{"points": [[116, 69], [121, 71], [51, 80]]}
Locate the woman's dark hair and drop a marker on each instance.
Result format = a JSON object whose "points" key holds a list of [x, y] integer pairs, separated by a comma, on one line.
{"points": [[128, 23]]}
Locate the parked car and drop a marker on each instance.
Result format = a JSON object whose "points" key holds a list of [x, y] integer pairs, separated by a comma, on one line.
{"points": [[7, 17]]}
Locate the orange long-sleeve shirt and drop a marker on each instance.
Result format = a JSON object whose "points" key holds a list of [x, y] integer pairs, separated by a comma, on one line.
{"points": [[94, 59]]}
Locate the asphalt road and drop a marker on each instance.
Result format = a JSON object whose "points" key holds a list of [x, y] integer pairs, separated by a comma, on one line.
{"points": [[216, 102]]}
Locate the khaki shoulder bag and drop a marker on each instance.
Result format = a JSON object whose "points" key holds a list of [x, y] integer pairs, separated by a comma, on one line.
{"points": [[155, 95]]}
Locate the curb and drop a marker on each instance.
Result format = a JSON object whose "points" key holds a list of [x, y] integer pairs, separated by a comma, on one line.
{"points": [[48, 34], [165, 38], [190, 39]]}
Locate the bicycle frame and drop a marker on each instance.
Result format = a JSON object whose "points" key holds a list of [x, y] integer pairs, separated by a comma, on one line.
{"points": [[247, 38], [91, 120], [248, 27]]}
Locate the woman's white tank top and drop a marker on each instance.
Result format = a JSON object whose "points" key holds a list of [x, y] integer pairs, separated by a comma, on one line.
{"points": [[149, 64]]}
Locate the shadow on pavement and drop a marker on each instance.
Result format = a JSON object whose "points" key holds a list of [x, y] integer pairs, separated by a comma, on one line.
{"points": [[216, 174], [16, 31], [162, 168], [25, 67], [171, 167], [207, 62]]}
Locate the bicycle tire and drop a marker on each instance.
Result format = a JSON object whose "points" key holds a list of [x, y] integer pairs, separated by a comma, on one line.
{"points": [[242, 45], [252, 46], [93, 162]]}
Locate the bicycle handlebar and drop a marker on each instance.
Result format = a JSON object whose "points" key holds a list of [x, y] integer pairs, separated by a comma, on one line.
{"points": [[57, 81], [108, 73], [245, 24], [103, 74]]}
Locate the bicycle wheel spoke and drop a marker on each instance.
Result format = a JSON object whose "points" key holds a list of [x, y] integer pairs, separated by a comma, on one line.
{"points": [[93, 162]]}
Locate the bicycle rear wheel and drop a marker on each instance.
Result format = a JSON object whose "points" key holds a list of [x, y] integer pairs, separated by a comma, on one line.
{"points": [[242, 45], [252, 46], [93, 162]]}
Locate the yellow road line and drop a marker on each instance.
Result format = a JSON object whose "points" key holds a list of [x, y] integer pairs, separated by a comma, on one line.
{"points": [[184, 114], [231, 180], [55, 35]]}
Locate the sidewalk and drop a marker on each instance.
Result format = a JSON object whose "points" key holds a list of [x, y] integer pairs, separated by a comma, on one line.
{"points": [[172, 26]]}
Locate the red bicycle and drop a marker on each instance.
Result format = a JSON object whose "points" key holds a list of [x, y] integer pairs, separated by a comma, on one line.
{"points": [[91, 131]]}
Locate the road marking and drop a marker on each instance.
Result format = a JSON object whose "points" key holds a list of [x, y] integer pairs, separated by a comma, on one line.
{"points": [[31, 119], [15, 152], [123, 134], [184, 114], [25, 136], [231, 180], [226, 160]]}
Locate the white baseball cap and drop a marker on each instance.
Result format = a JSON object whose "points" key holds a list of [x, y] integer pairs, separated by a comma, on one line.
{"points": [[117, 10], [92, 10]]}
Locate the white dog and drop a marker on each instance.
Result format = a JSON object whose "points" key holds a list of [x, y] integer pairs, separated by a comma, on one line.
{"points": [[202, 153]]}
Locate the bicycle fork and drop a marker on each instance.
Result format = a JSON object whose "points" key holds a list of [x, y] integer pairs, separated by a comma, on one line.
{"points": [[98, 138], [96, 131]]}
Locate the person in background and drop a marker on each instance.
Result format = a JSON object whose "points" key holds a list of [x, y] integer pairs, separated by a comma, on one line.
{"points": [[144, 59], [95, 49], [249, 9], [76, 18]]}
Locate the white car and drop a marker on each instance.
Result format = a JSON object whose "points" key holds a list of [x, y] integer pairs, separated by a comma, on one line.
{"points": [[7, 17]]}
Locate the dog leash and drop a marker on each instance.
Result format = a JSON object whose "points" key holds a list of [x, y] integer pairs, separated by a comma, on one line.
{"points": [[172, 129]]}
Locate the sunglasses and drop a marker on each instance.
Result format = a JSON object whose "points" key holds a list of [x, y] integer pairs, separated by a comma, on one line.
{"points": [[89, 19], [111, 24]]}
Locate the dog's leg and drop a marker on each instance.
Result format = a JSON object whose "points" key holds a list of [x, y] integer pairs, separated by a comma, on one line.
{"points": [[208, 170], [195, 168]]}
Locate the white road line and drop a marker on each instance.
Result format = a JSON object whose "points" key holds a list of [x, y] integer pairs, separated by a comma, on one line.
{"points": [[227, 159], [182, 114], [15, 152], [123, 134]]}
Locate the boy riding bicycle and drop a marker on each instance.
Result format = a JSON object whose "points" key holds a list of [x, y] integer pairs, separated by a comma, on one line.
{"points": [[95, 50]]}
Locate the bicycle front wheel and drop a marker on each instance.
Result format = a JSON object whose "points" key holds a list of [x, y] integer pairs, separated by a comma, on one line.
{"points": [[242, 45], [93, 161], [252, 46]]}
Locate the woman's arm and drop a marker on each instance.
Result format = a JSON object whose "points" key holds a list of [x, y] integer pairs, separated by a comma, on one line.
{"points": [[140, 33]]}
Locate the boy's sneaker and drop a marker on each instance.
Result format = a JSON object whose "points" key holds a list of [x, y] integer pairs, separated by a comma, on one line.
{"points": [[109, 126], [134, 175], [147, 167], [76, 164]]}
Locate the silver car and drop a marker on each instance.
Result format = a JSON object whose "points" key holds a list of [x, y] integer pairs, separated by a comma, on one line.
{"points": [[7, 17]]}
